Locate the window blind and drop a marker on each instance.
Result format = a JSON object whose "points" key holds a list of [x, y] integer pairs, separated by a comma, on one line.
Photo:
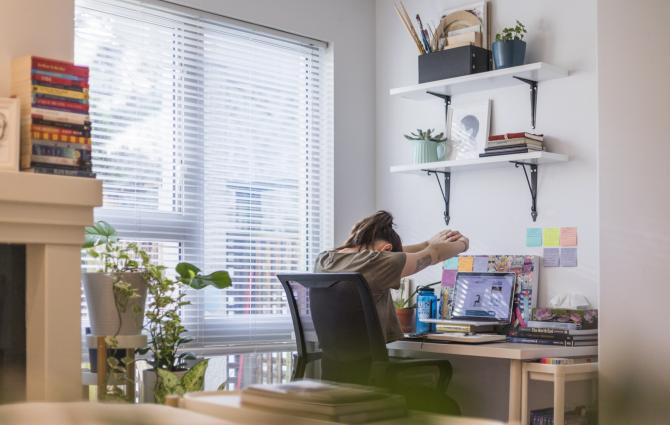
{"points": [[213, 139]]}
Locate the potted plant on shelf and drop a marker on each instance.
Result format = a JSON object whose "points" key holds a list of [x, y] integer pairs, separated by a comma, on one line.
{"points": [[427, 146], [509, 49], [169, 373]]}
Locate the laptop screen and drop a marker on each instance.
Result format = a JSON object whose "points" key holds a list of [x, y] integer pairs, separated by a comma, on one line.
{"points": [[486, 296]]}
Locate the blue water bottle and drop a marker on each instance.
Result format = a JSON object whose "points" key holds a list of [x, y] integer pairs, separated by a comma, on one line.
{"points": [[426, 308]]}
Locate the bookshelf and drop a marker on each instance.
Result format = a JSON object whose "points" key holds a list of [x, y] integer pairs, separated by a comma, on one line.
{"points": [[530, 75]]}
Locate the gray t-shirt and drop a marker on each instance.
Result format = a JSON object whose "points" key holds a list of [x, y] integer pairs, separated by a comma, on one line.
{"points": [[381, 270]]}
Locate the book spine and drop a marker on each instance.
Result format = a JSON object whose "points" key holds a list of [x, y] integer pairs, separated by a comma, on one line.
{"points": [[62, 145], [61, 67], [498, 153], [61, 171], [38, 78], [60, 116], [63, 93], [60, 131], [539, 341], [60, 75], [41, 135], [515, 135], [508, 147], [36, 96], [81, 128], [60, 105], [54, 160], [546, 331], [517, 141]]}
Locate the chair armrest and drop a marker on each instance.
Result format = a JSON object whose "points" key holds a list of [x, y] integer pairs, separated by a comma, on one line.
{"points": [[384, 373]]}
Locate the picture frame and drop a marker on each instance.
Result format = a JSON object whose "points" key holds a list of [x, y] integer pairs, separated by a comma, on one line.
{"points": [[468, 129], [10, 134]]}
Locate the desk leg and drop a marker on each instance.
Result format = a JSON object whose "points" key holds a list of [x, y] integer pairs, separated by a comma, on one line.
{"points": [[524, 395], [514, 407], [559, 399]]}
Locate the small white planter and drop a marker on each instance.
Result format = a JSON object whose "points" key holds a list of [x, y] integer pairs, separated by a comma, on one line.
{"points": [[102, 312]]}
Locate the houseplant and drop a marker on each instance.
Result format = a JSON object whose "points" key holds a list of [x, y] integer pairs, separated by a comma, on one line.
{"points": [[169, 374], [426, 145], [509, 49], [405, 308]]}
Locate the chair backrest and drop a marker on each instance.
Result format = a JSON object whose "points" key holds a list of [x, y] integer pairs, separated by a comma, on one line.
{"points": [[335, 320]]}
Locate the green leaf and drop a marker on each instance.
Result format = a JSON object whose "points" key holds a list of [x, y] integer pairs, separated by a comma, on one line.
{"points": [[167, 384], [186, 270], [194, 379]]}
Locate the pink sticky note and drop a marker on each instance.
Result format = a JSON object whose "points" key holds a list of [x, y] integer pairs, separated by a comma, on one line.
{"points": [[568, 236], [449, 278]]}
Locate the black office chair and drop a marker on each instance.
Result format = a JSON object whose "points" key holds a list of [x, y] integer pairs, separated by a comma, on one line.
{"points": [[337, 328]]}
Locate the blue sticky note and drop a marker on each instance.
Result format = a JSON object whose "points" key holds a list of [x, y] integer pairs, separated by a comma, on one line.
{"points": [[551, 257], [568, 257], [534, 237], [451, 264], [481, 263]]}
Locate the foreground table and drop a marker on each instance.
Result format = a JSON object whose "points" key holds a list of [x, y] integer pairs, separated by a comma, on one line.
{"points": [[515, 353], [226, 405]]}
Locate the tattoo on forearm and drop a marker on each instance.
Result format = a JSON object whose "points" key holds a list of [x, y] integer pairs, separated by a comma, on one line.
{"points": [[423, 262]]}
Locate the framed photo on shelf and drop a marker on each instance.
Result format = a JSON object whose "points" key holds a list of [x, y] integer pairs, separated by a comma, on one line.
{"points": [[10, 123], [468, 129]]}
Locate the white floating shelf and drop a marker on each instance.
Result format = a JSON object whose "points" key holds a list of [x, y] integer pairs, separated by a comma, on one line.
{"points": [[481, 81], [479, 163]]}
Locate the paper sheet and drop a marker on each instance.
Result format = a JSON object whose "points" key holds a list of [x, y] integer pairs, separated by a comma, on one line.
{"points": [[481, 263], [451, 264], [534, 237], [551, 236], [551, 257], [568, 257], [465, 263], [449, 278], [568, 236]]}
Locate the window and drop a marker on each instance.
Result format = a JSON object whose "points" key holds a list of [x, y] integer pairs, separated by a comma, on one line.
{"points": [[214, 142]]}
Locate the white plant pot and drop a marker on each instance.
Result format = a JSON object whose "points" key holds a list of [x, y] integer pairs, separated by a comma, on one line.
{"points": [[149, 378], [102, 312]]}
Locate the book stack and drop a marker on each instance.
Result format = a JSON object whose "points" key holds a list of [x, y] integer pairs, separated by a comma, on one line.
{"points": [[513, 143], [55, 124], [546, 417], [325, 401], [556, 333]]}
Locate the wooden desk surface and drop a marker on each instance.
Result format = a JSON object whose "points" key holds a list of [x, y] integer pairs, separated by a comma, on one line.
{"points": [[503, 350]]}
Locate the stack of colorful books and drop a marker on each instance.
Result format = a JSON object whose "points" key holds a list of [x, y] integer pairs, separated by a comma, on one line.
{"points": [[572, 328], [546, 416], [55, 124], [513, 143]]}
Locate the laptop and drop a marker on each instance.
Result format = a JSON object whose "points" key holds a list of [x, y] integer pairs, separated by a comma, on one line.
{"points": [[480, 299]]}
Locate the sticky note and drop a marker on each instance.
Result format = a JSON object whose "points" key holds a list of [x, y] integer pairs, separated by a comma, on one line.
{"points": [[568, 236], [451, 264], [551, 236], [481, 263], [465, 263], [449, 278], [568, 257], [534, 237], [551, 257]]}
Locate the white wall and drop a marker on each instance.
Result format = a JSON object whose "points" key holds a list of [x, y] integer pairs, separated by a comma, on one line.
{"points": [[634, 99], [34, 27], [492, 207], [349, 26]]}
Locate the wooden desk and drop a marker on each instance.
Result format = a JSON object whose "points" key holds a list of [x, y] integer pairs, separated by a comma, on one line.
{"points": [[515, 353]]}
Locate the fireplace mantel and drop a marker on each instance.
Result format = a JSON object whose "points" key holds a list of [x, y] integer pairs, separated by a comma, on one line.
{"points": [[48, 214]]}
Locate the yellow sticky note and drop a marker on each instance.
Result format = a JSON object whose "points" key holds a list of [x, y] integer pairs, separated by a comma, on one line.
{"points": [[466, 263], [551, 236]]}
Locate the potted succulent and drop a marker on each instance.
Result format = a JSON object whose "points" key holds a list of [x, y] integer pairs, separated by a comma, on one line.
{"points": [[427, 146], [509, 49], [169, 373]]}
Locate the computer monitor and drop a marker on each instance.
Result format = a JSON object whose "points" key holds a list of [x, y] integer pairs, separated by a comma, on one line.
{"points": [[484, 296]]}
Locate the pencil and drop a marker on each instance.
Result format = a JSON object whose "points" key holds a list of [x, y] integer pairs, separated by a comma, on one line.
{"points": [[410, 29]]}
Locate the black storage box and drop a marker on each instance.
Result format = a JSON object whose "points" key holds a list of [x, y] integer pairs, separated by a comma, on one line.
{"points": [[454, 62]]}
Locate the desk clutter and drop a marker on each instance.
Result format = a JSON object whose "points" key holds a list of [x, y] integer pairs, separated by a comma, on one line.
{"points": [[567, 327], [325, 401], [578, 416]]}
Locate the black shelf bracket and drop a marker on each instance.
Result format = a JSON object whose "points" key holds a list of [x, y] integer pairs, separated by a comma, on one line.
{"points": [[532, 184], [444, 189], [447, 104], [533, 99]]}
